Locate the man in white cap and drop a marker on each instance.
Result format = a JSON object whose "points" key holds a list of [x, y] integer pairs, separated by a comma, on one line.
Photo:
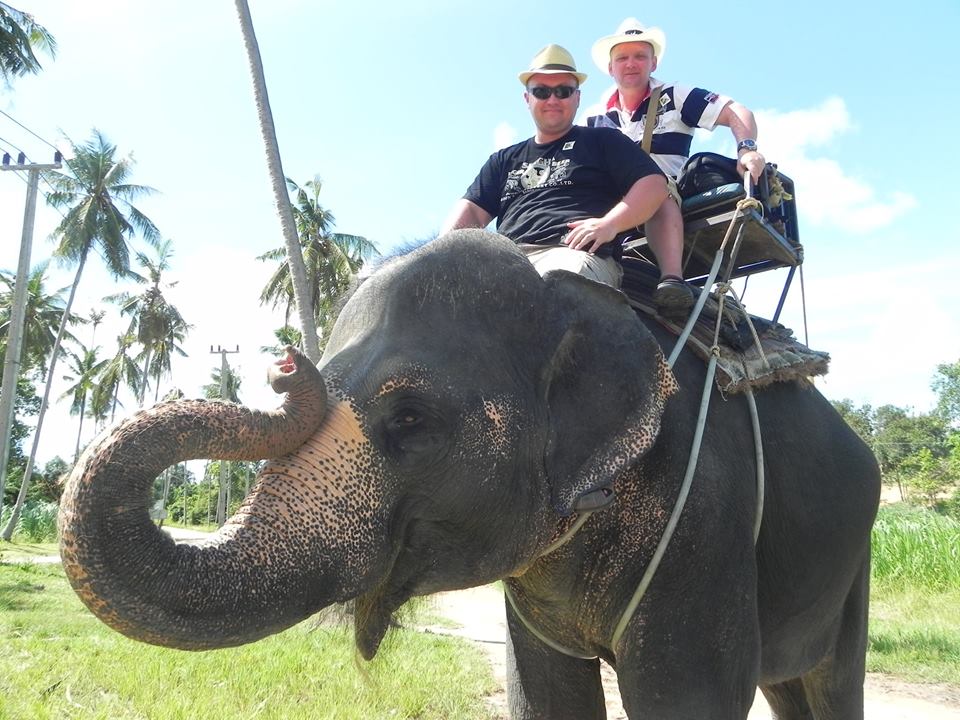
{"points": [[567, 195], [630, 55]]}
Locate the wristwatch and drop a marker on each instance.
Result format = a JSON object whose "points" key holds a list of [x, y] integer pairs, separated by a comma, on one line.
{"points": [[748, 144]]}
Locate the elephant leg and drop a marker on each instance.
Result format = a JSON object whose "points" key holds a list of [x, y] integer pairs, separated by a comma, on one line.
{"points": [[543, 684], [834, 688], [788, 700]]}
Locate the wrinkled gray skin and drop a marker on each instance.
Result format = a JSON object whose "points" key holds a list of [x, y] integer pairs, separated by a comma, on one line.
{"points": [[466, 406]]}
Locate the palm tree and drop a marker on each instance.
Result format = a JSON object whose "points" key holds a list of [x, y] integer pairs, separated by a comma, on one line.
{"points": [[19, 35], [214, 389], [163, 350], [286, 335], [331, 259], [42, 315], [95, 317], [224, 385], [157, 324], [41, 318], [121, 369], [269, 134], [86, 368], [95, 194]]}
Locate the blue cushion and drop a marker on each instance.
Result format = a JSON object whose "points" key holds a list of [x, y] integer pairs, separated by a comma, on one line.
{"points": [[723, 195]]}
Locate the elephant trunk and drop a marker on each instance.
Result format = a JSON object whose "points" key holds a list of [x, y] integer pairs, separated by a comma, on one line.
{"points": [[227, 592]]}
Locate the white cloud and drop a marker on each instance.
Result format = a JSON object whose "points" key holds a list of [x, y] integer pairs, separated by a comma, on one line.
{"points": [[830, 196]]}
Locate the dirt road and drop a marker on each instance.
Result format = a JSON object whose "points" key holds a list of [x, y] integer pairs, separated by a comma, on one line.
{"points": [[479, 616]]}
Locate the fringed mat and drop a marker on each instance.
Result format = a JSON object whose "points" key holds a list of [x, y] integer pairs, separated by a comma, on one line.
{"points": [[740, 364]]}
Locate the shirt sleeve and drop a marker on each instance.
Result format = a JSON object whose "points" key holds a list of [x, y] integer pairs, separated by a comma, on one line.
{"points": [[699, 107], [486, 189]]}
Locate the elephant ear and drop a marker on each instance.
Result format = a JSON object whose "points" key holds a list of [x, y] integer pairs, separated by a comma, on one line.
{"points": [[605, 384]]}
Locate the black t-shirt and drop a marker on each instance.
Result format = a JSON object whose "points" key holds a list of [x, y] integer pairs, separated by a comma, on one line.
{"points": [[535, 190]]}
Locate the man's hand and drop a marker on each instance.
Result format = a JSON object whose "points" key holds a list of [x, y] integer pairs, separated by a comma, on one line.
{"points": [[752, 161], [588, 235]]}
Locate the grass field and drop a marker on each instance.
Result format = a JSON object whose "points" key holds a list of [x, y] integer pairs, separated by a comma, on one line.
{"points": [[58, 661]]}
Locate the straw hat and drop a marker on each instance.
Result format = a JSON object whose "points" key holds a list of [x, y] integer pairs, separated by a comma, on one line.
{"points": [[552, 60], [630, 30]]}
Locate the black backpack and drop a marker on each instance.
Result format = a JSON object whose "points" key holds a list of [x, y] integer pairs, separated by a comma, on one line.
{"points": [[706, 171]]}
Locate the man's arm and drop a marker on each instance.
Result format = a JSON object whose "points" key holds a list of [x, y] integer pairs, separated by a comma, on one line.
{"points": [[637, 206], [465, 214], [743, 125]]}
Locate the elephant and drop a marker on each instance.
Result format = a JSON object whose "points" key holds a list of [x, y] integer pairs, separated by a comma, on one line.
{"points": [[471, 421]]}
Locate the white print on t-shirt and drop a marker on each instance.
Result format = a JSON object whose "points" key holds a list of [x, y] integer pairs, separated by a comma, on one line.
{"points": [[543, 172]]}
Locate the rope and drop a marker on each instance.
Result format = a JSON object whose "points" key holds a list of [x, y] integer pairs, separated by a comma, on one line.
{"points": [[758, 454], [677, 509]]}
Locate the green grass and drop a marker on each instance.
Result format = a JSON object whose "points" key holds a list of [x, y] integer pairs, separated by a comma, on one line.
{"points": [[913, 547], [915, 635], [915, 596], [58, 661], [20, 551]]}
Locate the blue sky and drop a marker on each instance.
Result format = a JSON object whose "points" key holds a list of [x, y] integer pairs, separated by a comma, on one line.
{"points": [[395, 107]]}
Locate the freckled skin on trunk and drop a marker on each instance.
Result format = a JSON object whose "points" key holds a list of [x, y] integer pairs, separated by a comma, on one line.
{"points": [[135, 578]]}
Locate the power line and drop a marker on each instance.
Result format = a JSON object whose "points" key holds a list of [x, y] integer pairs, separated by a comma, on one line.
{"points": [[11, 145], [29, 130]]}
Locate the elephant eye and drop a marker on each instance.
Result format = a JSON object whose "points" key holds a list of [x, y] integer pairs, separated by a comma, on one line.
{"points": [[407, 419]]}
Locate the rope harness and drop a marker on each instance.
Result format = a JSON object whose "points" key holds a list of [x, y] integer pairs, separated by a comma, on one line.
{"points": [[723, 288]]}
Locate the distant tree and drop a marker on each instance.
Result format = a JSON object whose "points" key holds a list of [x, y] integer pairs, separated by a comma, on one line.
{"points": [[49, 486], [331, 259], [85, 369], [42, 316], [120, 371], [156, 323], [946, 383], [925, 475], [286, 335], [858, 418], [212, 389], [27, 404], [900, 434], [19, 35]]}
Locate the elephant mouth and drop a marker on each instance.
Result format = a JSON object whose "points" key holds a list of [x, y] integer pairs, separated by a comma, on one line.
{"points": [[373, 616]]}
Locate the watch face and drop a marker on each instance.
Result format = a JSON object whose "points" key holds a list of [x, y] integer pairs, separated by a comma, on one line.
{"points": [[747, 145]]}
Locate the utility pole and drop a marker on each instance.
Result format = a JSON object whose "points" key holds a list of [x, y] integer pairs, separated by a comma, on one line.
{"points": [[18, 307], [224, 374]]}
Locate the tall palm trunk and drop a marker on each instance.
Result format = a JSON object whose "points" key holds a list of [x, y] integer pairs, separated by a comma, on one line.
{"points": [[298, 270], [7, 533], [146, 377], [83, 409]]}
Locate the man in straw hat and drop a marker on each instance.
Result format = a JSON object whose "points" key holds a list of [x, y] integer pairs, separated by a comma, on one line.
{"points": [[567, 195], [630, 55]]}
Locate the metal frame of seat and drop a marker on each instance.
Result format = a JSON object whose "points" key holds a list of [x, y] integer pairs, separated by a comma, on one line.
{"points": [[769, 239]]}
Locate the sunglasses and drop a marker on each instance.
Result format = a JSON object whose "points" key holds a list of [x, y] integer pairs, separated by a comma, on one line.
{"points": [[542, 92]]}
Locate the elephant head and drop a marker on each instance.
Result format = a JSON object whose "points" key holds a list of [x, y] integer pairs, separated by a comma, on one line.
{"points": [[468, 409]]}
